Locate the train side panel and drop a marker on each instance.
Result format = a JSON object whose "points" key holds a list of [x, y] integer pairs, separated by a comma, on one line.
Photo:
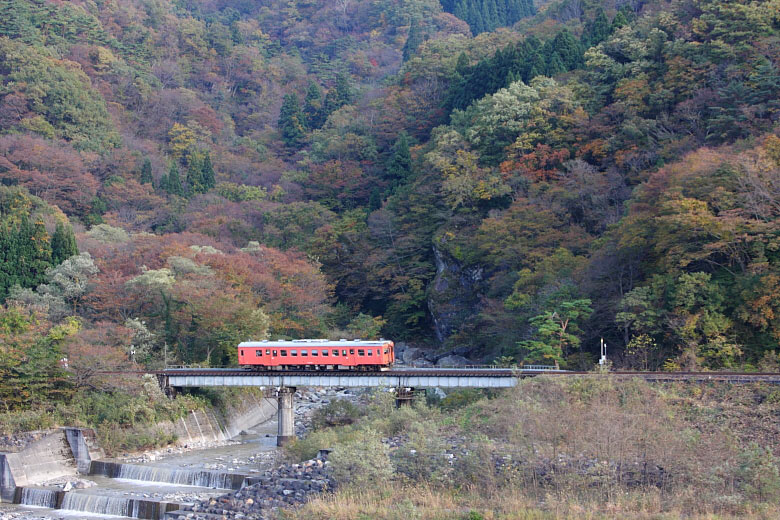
{"points": [[312, 354]]}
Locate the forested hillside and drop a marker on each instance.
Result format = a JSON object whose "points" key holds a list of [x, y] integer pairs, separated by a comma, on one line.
{"points": [[517, 179]]}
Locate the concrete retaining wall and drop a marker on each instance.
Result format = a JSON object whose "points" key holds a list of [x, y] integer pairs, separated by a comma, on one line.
{"points": [[207, 426], [69, 451], [45, 459]]}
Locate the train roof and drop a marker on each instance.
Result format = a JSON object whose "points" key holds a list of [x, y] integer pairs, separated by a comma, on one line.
{"points": [[315, 343]]}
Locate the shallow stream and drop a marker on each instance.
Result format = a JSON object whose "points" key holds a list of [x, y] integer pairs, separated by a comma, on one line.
{"points": [[144, 487]]}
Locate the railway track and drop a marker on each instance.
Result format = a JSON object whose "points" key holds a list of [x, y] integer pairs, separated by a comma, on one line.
{"points": [[732, 377]]}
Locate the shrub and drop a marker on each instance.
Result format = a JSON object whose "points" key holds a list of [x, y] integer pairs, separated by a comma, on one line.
{"points": [[461, 398], [758, 472], [336, 413], [362, 462]]}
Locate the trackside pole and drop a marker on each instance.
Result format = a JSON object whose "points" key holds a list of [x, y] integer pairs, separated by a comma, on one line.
{"points": [[285, 417]]}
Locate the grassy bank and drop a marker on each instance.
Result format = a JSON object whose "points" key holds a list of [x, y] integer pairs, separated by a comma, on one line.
{"points": [[124, 414], [553, 448]]}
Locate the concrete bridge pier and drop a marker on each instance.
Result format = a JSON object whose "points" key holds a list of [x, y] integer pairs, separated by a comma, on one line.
{"points": [[404, 396], [286, 419]]}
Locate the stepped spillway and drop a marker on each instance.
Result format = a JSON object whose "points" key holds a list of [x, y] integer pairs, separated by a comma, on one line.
{"points": [[169, 475]]}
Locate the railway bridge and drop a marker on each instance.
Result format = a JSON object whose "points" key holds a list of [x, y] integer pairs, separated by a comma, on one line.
{"points": [[286, 382]]}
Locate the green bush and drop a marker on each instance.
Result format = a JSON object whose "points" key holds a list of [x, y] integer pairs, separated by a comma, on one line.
{"points": [[362, 462], [336, 413], [461, 398], [759, 473], [26, 420]]}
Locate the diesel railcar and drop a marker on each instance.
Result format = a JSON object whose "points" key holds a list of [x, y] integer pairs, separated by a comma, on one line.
{"points": [[317, 354]]}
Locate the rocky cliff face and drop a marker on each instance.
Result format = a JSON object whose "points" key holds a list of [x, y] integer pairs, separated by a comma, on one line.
{"points": [[453, 297]]}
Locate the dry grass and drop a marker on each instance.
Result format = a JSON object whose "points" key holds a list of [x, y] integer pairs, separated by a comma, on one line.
{"points": [[422, 502], [582, 448]]}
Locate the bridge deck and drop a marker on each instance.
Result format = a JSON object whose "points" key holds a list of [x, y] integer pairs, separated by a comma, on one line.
{"points": [[422, 378]]}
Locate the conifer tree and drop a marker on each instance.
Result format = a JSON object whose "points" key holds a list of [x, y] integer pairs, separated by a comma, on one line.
{"points": [[209, 177], [195, 175], [312, 107], [344, 92], [146, 172], [375, 200], [164, 183], [596, 31], [399, 167], [619, 20], [414, 40], [291, 121], [555, 65], [173, 185], [63, 244]]}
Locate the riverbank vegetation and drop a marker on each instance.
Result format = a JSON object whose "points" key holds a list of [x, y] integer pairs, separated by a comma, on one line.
{"points": [[553, 448]]}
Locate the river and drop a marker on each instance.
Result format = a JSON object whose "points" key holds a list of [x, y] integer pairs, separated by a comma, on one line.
{"points": [[143, 487]]}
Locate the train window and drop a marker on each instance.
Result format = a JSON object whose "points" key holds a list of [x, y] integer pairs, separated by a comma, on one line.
{"points": [[352, 352], [314, 352], [259, 353], [241, 352], [275, 354], [324, 352], [267, 352], [361, 352], [335, 352], [304, 352], [343, 352], [386, 351], [293, 352], [284, 352]]}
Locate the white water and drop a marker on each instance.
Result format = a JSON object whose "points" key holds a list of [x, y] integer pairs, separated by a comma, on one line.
{"points": [[185, 477], [100, 505], [39, 497]]}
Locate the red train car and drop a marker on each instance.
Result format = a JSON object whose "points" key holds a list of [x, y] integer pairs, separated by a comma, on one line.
{"points": [[318, 354]]}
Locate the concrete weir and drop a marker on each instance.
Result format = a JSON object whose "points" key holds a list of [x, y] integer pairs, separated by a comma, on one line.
{"points": [[68, 452], [45, 459]]}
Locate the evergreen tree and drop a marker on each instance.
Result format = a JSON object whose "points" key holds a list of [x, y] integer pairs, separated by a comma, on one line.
{"points": [[146, 172], [619, 20], [25, 255], [209, 177], [399, 167], [63, 244], [375, 199], [164, 183], [414, 40], [173, 185], [568, 48], [344, 91], [596, 31], [460, 10], [490, 11], [291, 121], [555, 65], [312, 107], [195, 176], [502, 14]]}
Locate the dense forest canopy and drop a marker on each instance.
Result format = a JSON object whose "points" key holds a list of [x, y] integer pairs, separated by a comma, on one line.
{"points": [[515, 179]]}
